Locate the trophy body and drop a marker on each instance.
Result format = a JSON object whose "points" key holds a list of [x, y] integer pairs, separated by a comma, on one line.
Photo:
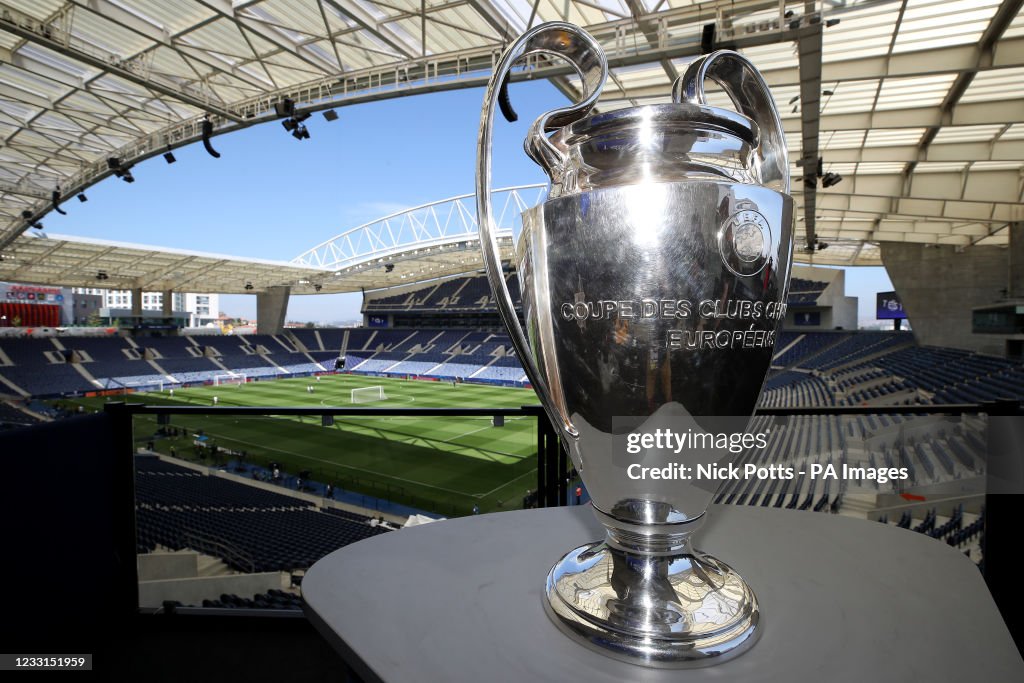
{"points": [[653, 281]]}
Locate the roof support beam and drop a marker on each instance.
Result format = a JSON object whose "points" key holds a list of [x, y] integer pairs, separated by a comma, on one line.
{"points": [[809, 50], [504, 31], [366, 22], [54, 39], [985, 48], [965, 114], [926, 208], [650, 32], [180, 284], [25, 189], [85, 263], [151, 278], [270, 34], [1008, 53], [130, 21], [41, 258], [952, 152]]}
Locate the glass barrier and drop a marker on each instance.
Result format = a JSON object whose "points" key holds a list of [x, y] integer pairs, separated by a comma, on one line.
{"points": [[234, 504]]}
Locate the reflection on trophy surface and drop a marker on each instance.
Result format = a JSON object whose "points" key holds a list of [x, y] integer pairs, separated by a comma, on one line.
{"points": [[654, 280]]}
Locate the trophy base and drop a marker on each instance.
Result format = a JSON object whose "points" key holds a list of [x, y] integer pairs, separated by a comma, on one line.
{"points": [[670, 611]]}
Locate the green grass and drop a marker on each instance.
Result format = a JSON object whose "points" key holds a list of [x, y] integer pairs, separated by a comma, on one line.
{"points": [[440, 464]]}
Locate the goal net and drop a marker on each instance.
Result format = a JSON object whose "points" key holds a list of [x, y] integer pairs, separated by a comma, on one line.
{"points": [[368, 394], [237, 379]]}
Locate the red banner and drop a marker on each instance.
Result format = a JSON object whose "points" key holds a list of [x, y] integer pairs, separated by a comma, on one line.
{"points": [[28, 315]]}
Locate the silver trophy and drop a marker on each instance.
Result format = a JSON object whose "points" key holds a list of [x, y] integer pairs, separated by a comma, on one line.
{"points": [[653, 281]]}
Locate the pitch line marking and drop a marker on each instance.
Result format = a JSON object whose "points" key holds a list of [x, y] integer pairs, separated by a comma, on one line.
{"points": [[498, 488], [351, 467]]}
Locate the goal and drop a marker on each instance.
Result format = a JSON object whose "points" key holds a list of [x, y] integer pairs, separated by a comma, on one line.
{"points": [[237, 379], [369, 394]]}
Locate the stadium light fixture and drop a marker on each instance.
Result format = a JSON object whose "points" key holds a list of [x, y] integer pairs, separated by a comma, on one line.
{"points": [[82, 198], [830, 179], [32, 220], [121, 171], [295, 127], [169, 156], [284, 107]]}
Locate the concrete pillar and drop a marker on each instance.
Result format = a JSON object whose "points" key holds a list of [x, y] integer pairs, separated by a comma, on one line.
{"points": [[939, 285], [137, 303], [1016, 256], [168, 303], [271, 308]]}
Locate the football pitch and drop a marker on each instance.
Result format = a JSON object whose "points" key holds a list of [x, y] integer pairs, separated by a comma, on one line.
{"points": [[440, 464]]}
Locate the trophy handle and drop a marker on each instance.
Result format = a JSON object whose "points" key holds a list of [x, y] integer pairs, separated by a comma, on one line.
{"points": [[576, 46], [748, 91]]}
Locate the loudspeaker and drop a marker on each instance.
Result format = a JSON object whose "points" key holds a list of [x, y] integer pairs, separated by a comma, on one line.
{"points": [[326, 420], [498, 421], [163, 419]]}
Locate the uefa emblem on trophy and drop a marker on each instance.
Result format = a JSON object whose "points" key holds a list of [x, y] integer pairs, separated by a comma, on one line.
{"points": [[653, 280]]}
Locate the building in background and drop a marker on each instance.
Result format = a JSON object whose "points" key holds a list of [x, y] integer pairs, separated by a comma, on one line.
{"points": [[197, 310]]}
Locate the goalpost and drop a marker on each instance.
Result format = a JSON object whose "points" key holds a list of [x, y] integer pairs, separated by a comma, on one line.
{"points": [[368, 394], [237, 379]]}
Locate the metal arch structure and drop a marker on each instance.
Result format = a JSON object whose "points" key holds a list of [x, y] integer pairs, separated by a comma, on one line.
{"points": [[432, 224], [915, 103], [432, 240]]}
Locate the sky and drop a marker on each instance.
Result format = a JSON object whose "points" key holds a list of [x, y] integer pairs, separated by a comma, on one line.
{"points": [[272, 196]]}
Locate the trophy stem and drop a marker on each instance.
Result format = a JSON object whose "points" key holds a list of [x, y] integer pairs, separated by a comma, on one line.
{"points": [[652, 599]]}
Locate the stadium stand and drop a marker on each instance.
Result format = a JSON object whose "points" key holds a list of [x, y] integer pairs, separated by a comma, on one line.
{"points": [[813, 368], [272, 599], [804, 292], [471, 294], [251, 529], [12, 418]]}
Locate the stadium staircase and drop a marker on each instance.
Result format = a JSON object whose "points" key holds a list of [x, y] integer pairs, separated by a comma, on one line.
{"points": [[4, 382], [822, 352], [80, 369], [787, 348]]}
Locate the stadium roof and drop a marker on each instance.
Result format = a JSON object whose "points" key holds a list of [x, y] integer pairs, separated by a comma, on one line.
{"points": [[917, 104], [76, 262], [79, 262], [426, 242]]}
